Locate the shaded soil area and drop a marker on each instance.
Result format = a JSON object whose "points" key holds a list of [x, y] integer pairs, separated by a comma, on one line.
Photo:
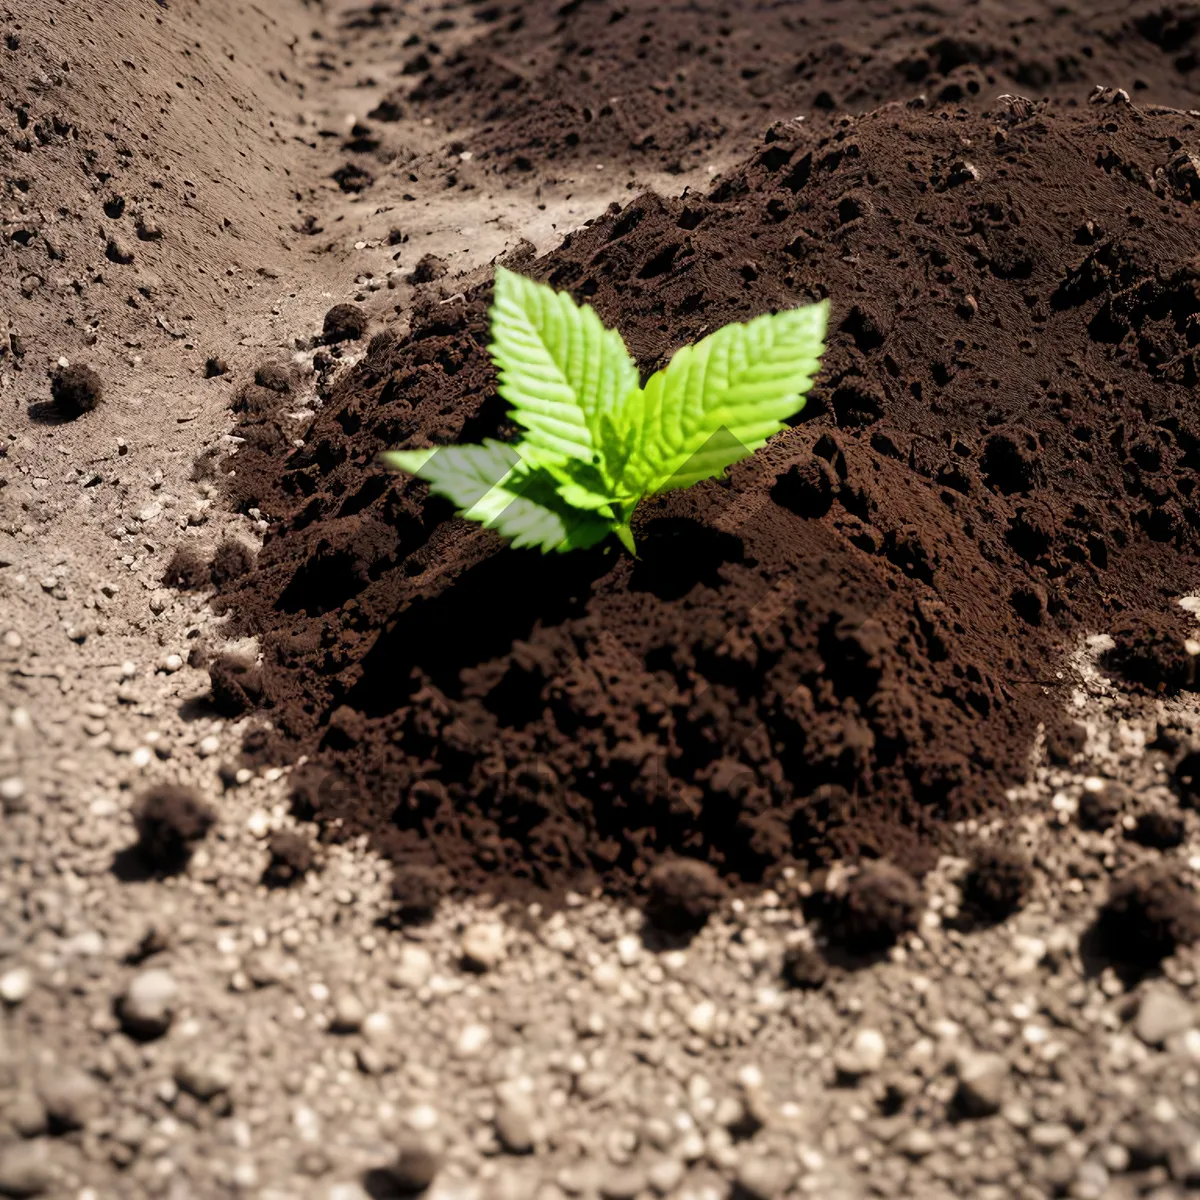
{"points": [[534, 83], [849, 644]]}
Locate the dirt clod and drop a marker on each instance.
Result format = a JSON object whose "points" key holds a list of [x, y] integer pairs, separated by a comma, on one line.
{"points": [[76, 389], [292, 857], [870, 908], [997, 883], [804, 968], [428, 269], [118, 251], [1158, 829], [273, 376], [170, 819], [1149, 914], [344, 323], [233, 559], [188, 569], [682, 894], [214, 367], [237, 684]]}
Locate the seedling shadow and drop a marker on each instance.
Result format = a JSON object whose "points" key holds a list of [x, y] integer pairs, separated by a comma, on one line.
{"points": [[677, 553], [474, 619]]}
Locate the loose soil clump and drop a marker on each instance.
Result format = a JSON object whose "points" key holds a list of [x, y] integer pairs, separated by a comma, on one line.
{"points": [[1149, 914], [682, 895], [292, 857], [344, 323], [850, 643], [232, 560], [996, 885], [170, 820], [188, 569], [76, 390]]}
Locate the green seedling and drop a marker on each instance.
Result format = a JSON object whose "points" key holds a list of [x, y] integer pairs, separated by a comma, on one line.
{"points": [[596, 442]]}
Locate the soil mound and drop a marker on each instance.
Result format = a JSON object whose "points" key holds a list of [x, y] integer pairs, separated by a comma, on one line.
{"points": [[666, 84], [851, 642]]}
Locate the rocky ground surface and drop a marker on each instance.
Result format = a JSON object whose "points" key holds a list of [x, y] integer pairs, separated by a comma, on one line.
{"points": [[214, 1034]]}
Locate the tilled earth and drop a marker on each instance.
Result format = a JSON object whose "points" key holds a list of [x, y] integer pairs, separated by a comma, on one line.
{"points": [[837, 652], [912, 691]]}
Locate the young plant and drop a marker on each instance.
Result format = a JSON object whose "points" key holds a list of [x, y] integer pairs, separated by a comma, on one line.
{"points": [[595, 441]]}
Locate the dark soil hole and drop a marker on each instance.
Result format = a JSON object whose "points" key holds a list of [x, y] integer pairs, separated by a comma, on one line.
{"points": [[677, 553]]}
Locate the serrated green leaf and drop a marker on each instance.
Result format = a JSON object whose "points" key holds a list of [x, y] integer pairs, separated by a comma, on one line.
{"points": [[534, 514], [616, 439], [580, 484], [596, 442], [720, 400], [463, 474], [559, 367], [491, 484]]}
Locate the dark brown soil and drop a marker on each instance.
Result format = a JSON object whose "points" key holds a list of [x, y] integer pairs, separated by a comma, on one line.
{"points": [[851, 642], [668, 85]]}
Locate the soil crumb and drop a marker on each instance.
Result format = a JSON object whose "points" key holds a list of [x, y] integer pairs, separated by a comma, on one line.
{"points": [[996, 885], [75, 390], [682, 895], [292, 857], [344, 323], [1148, 916], [170, 819]]}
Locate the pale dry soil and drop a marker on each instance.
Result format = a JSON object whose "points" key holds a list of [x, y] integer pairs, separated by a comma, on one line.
{"points": [[164, 166]]}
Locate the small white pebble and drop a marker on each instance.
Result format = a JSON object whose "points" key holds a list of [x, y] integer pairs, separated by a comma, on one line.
{"points": [[172, 663], [377, 1027], [15, 985], [413, 968], [629, 950], [12, 788], [483, 945], [702, 1018], [422, 1118], [472, 1040], [865, 1054]]}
